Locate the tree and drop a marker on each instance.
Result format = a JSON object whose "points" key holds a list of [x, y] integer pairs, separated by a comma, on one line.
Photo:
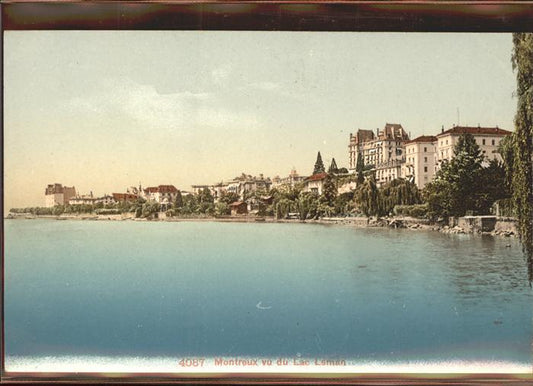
{"points": [[329, 191], [506, 150], [190, 204], [494, 187], [437, 194], [367, 197], [222, 209], [319, 165], [344, 203], [398, 192], [205, 196], [333, 169], [457, 180], [228, 197], [178, 202], [522, 177], [283, 208], [359, 168]]}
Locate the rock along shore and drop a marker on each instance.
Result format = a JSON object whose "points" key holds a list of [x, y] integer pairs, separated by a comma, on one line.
{"points": [[503, 226]]}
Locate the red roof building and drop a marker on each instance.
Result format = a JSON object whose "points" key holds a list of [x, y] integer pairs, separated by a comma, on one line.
{"points": [[487, 138]]}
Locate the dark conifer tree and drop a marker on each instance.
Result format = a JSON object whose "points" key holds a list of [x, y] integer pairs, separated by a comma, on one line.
{"points": [[319, 165], [333, 167], [359, 167]]}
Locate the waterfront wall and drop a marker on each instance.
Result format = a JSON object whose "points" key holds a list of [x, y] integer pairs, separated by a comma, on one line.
{"points": [[479, 224]]}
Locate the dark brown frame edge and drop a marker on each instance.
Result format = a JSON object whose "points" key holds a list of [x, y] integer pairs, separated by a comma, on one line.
{"points": [[420, 16], [387, 16]]}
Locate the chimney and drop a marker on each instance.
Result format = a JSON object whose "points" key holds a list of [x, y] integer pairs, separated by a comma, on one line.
{"points": [[442, 129]]}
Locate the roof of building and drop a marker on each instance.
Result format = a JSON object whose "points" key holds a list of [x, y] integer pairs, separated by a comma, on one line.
{"points": [[362, 135], [317, 177], [423, 138], [124, 196], [167, 189], [458, 130], [393, 131]]}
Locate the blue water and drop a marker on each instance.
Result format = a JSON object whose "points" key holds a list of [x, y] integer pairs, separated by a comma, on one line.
{"points": [[223, 289]]}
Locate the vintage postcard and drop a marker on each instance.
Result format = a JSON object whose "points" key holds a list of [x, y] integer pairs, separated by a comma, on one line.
{"points": [[206, 203]]}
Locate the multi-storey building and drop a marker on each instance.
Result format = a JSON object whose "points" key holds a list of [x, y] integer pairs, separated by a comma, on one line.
{"points": [[488, 139], [162, 194], [293, 179], [384, 151], [246, 184], [91, 200], [57, 194], [392, 155], [357, 141], [420, 160]]}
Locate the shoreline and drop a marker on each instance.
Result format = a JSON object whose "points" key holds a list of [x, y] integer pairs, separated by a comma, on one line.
{"points": [[503, 227]]}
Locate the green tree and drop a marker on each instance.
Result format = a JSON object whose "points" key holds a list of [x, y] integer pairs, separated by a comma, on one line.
{"points": [[333, 169], [359, 168], [344, 203], [506, 150], [58, 210], [329, 194], [493, 186], [398, 192], [228, 197], [283, 207], [367, 197], [178, 202], [150, 209], [205, 196], [458, 179], [190, 205], [522, 177], [438, 196], [222, 209], [319, 165]]}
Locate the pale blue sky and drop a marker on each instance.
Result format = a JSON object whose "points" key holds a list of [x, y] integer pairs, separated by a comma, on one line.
{"points": [[103, 110]]}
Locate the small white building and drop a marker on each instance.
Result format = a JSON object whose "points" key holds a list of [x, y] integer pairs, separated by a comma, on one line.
{"points": [[315, 183]]}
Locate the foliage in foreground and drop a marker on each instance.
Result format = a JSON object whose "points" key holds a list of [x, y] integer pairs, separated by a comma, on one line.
{"points": [[522, 169]]}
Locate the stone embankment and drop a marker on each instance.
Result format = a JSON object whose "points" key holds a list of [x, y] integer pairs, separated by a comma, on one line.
{"points": [[498, 226]]}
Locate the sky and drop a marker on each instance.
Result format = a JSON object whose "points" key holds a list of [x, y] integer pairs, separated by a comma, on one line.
{"points": [[105, 110]]}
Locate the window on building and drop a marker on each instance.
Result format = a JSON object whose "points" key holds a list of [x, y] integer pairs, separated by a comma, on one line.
{"points": [[493, 142], [446, 142], [483, 141], [425, 169], [425, 150], [425, 159]]}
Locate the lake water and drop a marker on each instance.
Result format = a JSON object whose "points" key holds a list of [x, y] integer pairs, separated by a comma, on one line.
{"points": [[109, 292]]}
